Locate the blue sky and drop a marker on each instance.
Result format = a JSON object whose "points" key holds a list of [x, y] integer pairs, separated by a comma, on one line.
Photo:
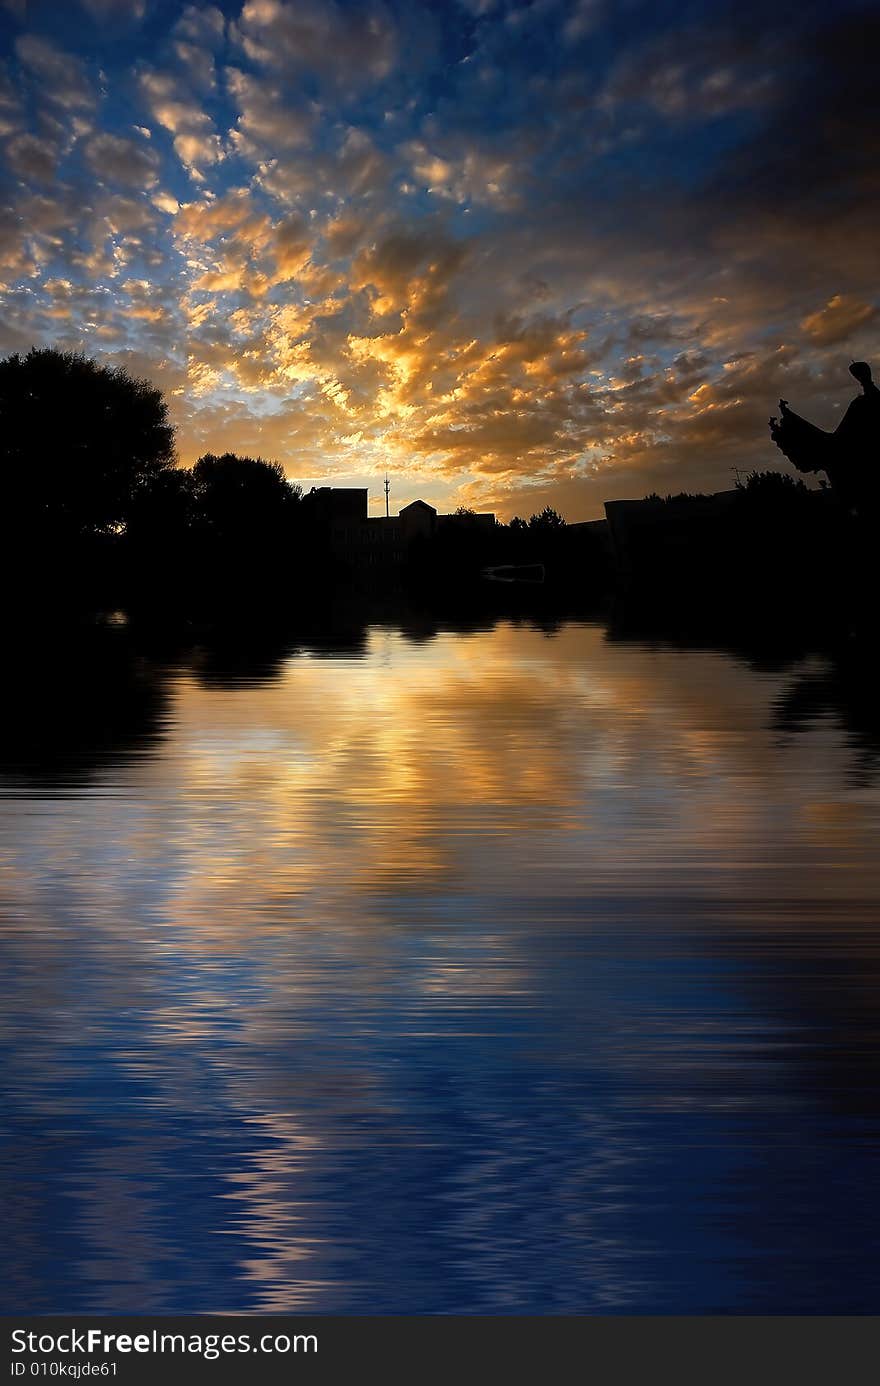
{"points": [[515, 253]]}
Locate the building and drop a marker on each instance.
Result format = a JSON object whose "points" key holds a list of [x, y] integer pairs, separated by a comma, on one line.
{"points": [[354, 536]]}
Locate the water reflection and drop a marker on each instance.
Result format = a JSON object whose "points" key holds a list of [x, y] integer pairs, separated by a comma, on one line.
{"points": [[419, 968]]}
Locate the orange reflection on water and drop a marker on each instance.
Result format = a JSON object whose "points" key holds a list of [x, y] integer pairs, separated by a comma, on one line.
{"points": [[433, 921]]}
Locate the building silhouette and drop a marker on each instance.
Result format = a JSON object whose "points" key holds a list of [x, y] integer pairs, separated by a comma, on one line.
{"points": [[340, 515]]}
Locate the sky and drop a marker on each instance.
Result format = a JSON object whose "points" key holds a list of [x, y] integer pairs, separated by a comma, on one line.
{"points": [[514, 254]]}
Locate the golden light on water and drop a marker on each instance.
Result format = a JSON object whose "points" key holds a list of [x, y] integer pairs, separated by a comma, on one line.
{"points": [[495, 899]]}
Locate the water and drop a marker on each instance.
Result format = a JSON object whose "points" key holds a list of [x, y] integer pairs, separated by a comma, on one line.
{"points": [[413, 970]]}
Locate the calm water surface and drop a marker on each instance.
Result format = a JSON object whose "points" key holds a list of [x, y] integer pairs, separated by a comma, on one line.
{"points": [[507, 971]]}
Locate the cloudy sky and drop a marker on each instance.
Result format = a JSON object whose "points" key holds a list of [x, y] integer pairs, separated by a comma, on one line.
{"points": [[517, 253]]}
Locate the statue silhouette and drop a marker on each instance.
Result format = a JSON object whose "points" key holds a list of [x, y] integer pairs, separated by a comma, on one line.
{"points": [[850, 456]]}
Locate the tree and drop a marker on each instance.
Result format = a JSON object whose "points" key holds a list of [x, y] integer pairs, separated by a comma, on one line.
{"points": [[245, 519], [163, 510], [78, 442], [771, 485], [242, 499], [548, 519]]}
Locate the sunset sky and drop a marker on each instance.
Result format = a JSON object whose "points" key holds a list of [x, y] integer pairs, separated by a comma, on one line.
{"points": [[515, 253]]}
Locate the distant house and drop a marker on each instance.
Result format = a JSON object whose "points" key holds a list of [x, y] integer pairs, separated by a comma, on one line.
{"points": [[356, 537], [418, 519]]}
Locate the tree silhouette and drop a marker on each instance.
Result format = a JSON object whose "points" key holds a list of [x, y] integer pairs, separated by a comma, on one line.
{"points": [[548, 518], [158, 548], [771, 486], [242, 500], [163, 509], [246, 531], [78, 443]]}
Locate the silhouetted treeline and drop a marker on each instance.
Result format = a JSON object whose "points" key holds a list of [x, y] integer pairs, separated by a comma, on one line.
{"points": [[98, 513], [228, 529], [771, 543]]}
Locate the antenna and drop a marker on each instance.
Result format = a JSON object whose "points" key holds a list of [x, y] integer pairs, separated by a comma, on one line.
{"points": [[387, 493]]}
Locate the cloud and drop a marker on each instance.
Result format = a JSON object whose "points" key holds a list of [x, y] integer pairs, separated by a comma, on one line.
{"points": [[343, 234], [525, 254], [583, 18], [232, 249], [397, 266], [346, 46], [349, 166], [146, 301], [31, 157], [11, 112], [165, 202], [293, 241], [202, 24], [62, 76], [268, 122], [15, 259], [103, 10], [700, 71], [198, 36], [173, 105], [841, 318], [474, 175], [198, 63], [130, 163], [216, 216]]}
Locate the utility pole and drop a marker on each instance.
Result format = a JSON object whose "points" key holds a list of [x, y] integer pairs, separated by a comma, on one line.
{"points": [[387, 492]]}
